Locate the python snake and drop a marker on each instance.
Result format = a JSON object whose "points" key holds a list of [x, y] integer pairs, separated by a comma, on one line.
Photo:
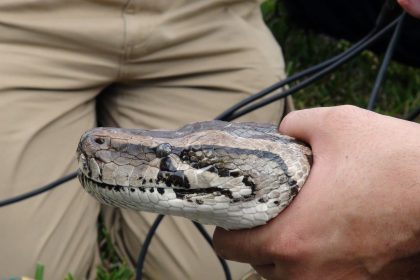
{"points": [[233, 175]]}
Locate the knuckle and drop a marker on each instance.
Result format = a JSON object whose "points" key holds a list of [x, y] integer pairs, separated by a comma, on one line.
{"points": [[340, 116], [289, 247]]}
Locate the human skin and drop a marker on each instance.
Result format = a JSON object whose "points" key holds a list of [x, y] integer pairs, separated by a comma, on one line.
{"points": [[411, 6], [358, 214]]}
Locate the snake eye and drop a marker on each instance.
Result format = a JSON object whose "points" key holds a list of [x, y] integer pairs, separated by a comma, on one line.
{"points": [[163, 150]]}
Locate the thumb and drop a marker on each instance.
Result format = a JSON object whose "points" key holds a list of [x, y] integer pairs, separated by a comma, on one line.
{"points": [[411, 6], [303, 124]]}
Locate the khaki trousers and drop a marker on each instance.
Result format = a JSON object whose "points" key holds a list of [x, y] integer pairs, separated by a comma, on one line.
{"points": [[149, 64]]}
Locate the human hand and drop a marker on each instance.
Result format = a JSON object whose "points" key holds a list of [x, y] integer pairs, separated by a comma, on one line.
{"points": [[358, 214], [411, 6]]}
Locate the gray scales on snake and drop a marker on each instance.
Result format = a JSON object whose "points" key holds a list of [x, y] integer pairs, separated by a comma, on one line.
{"points": [[233, 175]]}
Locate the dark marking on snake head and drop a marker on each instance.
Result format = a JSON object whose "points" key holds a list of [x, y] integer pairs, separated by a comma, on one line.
{"points": [[184, 155], [186, 183], [223, 172], [212, 169], [262, 200], [166, 164], [142, 189], [248, 182], [276, 202], [151, 190], [181, 193], [160, 190], [163, 150], [150, 180], [173, 179], [234, 173], [143, 182], [117, 188], [132, 190], [199, 201], [291, 182], [294, 191], [248, 197], [310, 159]]}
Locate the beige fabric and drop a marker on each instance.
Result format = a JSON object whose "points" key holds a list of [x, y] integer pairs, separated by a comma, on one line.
{"points": [[157, 63]]}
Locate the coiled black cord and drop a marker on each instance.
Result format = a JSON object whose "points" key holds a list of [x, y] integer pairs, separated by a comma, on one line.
{"points": [[238, 113], [143, 252]]}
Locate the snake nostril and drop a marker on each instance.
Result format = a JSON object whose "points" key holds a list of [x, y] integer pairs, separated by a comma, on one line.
{"points": [[99, 140]]}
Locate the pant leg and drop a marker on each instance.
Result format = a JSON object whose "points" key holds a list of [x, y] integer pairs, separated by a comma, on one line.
{"points": [[199, 58], [52, 65]]}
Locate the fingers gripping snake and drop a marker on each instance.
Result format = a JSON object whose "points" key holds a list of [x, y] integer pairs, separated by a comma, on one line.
{"points": [[233, 175]]}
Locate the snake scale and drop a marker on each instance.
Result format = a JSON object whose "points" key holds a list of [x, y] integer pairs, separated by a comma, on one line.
{"points": [[233, 175]]}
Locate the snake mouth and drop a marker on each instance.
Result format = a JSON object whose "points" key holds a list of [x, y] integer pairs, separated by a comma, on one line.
{"points": [[90, 185], [86, 181]]}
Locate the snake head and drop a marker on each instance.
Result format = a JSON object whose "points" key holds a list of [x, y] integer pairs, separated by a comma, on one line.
{"points": [[240, 174]]}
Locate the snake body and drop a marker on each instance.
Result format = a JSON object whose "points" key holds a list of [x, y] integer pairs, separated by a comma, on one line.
{"points": [[233, 175]]}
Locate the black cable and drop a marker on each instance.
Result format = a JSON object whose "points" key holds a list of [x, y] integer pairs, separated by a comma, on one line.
{"points": [[207, 237], [311, 70], [384, 65], [316, 76], [383, 16], [387, 11], [35, 192], [413, 115], [145, 247]]}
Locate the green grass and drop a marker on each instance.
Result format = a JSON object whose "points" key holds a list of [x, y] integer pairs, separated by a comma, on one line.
{"points": [[39, 273], [113, 267], [350, 84]]}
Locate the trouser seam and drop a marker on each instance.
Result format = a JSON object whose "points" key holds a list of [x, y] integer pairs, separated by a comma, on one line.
{"points": [[123, 53]]}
